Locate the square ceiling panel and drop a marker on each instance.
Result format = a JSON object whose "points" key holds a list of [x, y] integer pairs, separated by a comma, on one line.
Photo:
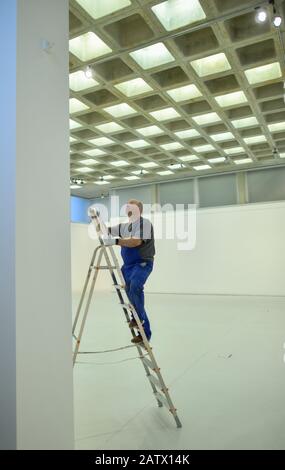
{"points": [[130, 31], [120, 110], [197, 42], [210, 65], [263, 73], [183, 93], [231, 99], [99, 8], [177, 13], [78, 81], [134, 87], [165, 114], [88, 46], [152, 56]]}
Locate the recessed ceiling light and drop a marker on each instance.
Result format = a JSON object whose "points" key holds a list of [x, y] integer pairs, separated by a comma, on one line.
{"points": [[204, 148], [101, 182], [134, 87], [174, 14], [187, 92], [242, 161], [109, 127], [139, 172], [164, 173], [83, 169], [78, 81], [245, 122], [152, 56], [234, 150], [206, 118], [187, 134], [176, 166], [231, 99], [148, 164], [76, 105], [201, 167], [263, 73], [189, 158], [119, 163], [216, 160], [94, 152], [172, 146], [277, 126], [119, 110], [73, 124], [131, 178], [137, 144], [164, 114], [150, 130], [88, 46], [101, 141], [88, 161], [212, 64], [255, 139], [99, 8], [222, 137], [75, 186]]}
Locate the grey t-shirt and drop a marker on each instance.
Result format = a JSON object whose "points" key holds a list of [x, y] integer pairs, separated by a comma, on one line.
{"points": [[142, 228]]}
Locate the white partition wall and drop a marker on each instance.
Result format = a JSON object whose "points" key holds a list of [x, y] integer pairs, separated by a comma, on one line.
{"points": [[239, 250], [36, 397]]}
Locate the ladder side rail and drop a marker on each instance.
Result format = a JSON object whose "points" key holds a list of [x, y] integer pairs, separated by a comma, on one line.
{"points": [[84, 290], [78, 340]]}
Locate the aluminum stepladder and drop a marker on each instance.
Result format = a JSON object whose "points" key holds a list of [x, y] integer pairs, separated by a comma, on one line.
{"points": [[149, 363]]}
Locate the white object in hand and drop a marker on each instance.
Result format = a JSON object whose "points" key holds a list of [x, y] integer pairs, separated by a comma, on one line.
{"points": [[108, 241]]}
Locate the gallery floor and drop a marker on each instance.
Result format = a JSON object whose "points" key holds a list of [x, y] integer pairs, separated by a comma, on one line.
{"points": [[222, 357]]}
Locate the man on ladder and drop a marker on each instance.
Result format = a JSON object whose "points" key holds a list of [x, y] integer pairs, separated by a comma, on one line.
{"points": [[136, 240]]}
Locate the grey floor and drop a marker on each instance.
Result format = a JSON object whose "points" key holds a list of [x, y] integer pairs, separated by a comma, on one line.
{"points": [[222, 357]]}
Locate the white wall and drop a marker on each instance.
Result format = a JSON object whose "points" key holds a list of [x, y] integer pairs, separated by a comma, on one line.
{"points": [[239, 250], [36, 365]]}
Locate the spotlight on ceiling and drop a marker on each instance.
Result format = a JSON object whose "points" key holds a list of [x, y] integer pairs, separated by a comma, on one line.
{"points": [[261, 15], [277, 21], [88, 72]]}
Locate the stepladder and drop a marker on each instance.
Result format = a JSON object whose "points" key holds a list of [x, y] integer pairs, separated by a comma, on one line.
{"points": [[104, 258]]}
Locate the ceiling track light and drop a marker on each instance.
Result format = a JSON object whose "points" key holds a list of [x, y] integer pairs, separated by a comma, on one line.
{"points": [[77, 181], [277, 19], [261, 15], [88, 72]]}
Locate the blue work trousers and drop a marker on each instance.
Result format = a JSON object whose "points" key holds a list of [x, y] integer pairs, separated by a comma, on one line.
{"points": [[135, 276]]}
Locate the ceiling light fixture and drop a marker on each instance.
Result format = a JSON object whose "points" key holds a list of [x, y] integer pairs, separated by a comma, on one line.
{"points": [[277, 20], [88, 72], [77, 181], [261, 15]]}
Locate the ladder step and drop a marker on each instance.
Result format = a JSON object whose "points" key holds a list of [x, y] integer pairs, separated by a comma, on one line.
{"points": [[127, 306], [148, 363], [104, 267], [162, 399], [117, 286], [154, 380]]}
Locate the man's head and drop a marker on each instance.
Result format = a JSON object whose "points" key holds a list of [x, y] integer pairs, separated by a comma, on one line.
{"points": [[134, 209]]}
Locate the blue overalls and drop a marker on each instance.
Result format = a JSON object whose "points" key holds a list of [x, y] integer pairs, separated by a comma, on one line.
{"points": [[136, 271]]}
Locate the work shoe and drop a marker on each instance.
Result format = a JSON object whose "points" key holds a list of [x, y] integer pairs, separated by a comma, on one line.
{"points": [[133, 323], [137, 340]]}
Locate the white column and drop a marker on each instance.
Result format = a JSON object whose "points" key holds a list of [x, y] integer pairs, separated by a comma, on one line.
{"points": [[35, 354]]}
